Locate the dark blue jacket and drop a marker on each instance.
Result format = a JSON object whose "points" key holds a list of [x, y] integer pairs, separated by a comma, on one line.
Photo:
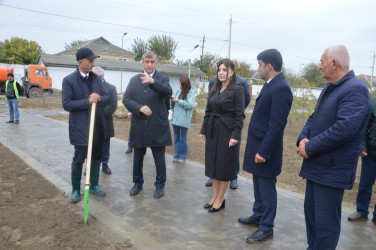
{"points": [[335, 131], [243, 82], [75, 98], [265, 131]]}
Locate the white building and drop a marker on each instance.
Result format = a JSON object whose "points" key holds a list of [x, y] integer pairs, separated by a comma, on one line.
{"points": [[117, 72]]}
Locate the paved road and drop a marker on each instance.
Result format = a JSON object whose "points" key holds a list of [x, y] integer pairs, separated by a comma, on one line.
{"points": [[176, 221]]}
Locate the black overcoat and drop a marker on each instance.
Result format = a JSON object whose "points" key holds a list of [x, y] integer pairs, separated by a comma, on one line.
{"points": [[110, 108], [154, 130], [223, 121]]}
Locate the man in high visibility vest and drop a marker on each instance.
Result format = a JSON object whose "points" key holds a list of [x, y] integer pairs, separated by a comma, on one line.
{"points": [[12, 91]]}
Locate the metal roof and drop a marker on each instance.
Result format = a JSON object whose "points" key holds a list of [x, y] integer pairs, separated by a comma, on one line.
{"points": [[70, 61], [98, 44]]}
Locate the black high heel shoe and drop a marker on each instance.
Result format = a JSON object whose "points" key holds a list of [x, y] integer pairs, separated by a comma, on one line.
{"points": [[214, 210], [208, 205]]}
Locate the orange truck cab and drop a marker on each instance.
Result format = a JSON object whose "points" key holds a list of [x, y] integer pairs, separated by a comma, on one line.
{"points": [[36, 80]]}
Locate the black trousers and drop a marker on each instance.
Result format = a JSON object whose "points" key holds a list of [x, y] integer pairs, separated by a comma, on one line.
{"points": [[160, 164], [80, 152]]}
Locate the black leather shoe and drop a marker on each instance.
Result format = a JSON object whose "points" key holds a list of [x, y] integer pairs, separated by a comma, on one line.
{"points": [[106, 169], [214, 210], [259, 237], [129, 150], [249, 221], [16, 122], [159, 192], [135, 190], [208, 205], [209, 183], [10, 121], [234, 184]]}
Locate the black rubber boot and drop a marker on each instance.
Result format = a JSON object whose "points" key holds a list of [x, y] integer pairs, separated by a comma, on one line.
{"points": [[94, 178], [76, 182]]}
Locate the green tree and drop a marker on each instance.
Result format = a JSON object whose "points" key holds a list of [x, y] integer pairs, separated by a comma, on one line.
{"points": [[209, 64], [164, 46], [312, 74], [21, 51], [243, 69], [139, 47], [74, 43]]}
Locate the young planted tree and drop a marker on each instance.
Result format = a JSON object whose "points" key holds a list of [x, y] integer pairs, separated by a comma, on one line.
{"points": [[21, 51]]}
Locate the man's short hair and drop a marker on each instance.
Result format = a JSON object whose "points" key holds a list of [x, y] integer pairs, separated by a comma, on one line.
{"points": [[273, 57], [10, 74], [340, 53], [150, 54]]}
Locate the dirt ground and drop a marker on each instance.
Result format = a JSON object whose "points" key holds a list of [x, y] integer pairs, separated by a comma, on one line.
{"points": [[34, 214]]}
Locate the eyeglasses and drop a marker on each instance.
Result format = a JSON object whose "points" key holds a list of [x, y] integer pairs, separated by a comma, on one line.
{"points": [[147, 61]]}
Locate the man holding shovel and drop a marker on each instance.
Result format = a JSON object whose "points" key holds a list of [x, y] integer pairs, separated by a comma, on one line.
{"points": [[80, 89]]}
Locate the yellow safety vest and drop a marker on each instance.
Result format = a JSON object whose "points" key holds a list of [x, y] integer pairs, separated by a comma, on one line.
{"points": [[14, 86]]}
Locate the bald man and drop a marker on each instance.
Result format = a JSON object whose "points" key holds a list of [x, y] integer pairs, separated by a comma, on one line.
{"points": [[330, 145]]}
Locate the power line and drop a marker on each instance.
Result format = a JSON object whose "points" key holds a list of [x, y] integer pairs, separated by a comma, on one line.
{"points": [[148, 29], [50, 28], [107, 23]]}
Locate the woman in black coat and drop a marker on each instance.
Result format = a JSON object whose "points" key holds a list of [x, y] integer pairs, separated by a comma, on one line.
{"points": [[221, 129]]}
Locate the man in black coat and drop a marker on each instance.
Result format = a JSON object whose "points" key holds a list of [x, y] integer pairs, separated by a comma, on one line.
{"points": [[263, 152], [109, 110], [145, 98], [80, 89]]}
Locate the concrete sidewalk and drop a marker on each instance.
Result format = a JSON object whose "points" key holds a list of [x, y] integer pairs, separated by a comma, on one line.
{"points": [[177, 220]]}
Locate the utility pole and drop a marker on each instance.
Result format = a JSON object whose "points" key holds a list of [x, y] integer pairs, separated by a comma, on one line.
{"points": [[229, 38], [202, 51]]}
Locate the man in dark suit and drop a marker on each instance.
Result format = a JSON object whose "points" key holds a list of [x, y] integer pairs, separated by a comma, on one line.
{"points": [[109, 110], [145, 99], [247, 99], [80, 89], [263, 153]]}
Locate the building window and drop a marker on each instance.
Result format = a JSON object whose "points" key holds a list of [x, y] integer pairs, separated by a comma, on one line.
{"points": [[123, 59]]}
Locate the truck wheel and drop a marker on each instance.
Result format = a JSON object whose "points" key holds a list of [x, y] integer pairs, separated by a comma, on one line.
{"points": [[2, 89], [34, 93]]}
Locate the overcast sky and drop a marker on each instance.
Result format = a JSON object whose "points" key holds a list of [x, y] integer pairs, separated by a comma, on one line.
{"points": [[300, 29]]}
